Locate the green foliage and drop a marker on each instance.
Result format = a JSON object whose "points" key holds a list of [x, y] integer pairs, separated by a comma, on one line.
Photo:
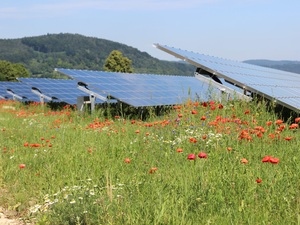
{"points": [[94, 170], [11, 71], [42, 54], [116, 62]]}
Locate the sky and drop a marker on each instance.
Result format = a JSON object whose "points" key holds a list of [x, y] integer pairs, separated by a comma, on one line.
{"points": [[231, 29]]}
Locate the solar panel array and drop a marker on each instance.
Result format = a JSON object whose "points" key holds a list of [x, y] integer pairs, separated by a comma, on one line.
{"points": [[57, 89], [18, 90], [281, 86], [145, 89]]}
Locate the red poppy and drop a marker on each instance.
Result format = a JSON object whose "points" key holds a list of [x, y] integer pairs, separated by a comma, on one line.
{"points": [[22, 166], [288, 138], [293, 126], [179, 150], [258, 180], [127, 160], [152, 170], [244, 161], [26, 144], [247, 112], [274, 160], [278, 122], [269, 123], [191, 157], [204, 104], [297, 120], [137, 131], [203, 118], [202, 155], [193, 140], [220, 106], [194, 112], [266, 159], [180, 115], [229, 149]]}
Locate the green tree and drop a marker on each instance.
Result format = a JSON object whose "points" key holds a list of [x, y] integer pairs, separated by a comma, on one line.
{"points": [[10, 71], [116, 62]]}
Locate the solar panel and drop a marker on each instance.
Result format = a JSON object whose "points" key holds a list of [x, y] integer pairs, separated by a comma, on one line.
{"points": [[280, 86], [19, 91], [3, 92], [57, 89], [146, 89]]}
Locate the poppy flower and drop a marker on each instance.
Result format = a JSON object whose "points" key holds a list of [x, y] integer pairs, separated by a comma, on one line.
{"points": [[22, 166], [269, 123], [180, 115], [293, 126], [258, 180], [194, 112], [26, 144], [203, 118], [278, 122], [297, 120], [202, 155], [127, 160], [288, 138], [152, 170], [191, 157], [274, 160], [229, 149], [247, 112], [266, 159], [220, 106], [193, 140], [179, 150], [244, 161], [137, 131]]}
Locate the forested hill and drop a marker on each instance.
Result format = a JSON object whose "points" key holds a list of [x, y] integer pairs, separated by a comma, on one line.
{"points": [[41, 54], [286, 65]]}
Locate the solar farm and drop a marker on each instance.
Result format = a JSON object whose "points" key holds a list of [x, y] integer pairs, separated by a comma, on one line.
{"points": [[218, 155]]}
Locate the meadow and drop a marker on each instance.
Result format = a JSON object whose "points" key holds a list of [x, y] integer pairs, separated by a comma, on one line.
{"points": [[199, 163]]}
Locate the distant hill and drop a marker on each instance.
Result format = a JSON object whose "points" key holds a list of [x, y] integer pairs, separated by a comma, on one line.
{"points": [[286, 65], [41, 54]]}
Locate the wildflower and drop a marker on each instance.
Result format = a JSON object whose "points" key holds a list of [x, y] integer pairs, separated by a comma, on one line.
{"points": [[26, 144], [266, 159], [293, 126], [203, 118], [22, 166], [127, 160], [278, 122], [194, 112], [193, 140], [137, 131], [180, 115], [202, 155], [204, 104], [220, 106], [297, 120], [269, 123], [288, 138], [191, 157], [258, 180], [229, 149], [274, 160], [179, 150], [244, 161], [152, 170], [247, 112], [73, 201]]}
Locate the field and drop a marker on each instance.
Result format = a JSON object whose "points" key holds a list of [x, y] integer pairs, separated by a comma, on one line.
{"points": [[200, 163]]}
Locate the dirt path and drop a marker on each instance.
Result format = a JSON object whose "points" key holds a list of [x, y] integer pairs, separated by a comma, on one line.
{"points": [[5, 221]]}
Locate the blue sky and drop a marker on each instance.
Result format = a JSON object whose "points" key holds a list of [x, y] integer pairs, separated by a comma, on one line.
{"points": [[232, 29]]}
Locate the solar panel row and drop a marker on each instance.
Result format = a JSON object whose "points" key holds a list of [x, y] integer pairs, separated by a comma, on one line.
{"points": [[277, 85], [146, 89]]}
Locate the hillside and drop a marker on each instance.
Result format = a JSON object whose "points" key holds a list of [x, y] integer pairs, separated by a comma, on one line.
{"points": [[286, 65], [41, 54]]}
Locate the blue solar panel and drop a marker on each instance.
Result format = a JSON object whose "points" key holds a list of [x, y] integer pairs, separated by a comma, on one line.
{"points": [[146, 89], [281, 86], [58, 89], [20, 90]]}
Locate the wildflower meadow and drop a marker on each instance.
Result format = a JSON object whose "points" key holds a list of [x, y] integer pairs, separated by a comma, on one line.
{"points": [[198, 163]]}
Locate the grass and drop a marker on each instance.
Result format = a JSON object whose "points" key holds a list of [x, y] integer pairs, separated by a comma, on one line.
{"points": [[61, 167]]}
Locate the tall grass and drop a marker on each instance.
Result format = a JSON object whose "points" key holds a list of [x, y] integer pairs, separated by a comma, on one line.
{"points": [[67, 168]]}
